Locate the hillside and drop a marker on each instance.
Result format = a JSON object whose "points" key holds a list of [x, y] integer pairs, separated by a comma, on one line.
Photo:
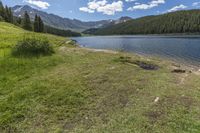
{"points": [[176, 22], [10, 34], [88, 91]]}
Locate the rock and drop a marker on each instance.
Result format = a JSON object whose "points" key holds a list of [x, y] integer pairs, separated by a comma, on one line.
{"points": [[112, 68], [156, 100]]}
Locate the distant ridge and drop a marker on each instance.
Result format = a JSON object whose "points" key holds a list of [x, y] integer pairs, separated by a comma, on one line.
{"points": [[64, 23]]}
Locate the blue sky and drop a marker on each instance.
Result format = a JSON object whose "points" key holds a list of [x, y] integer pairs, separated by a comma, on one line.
{"points": [[88, 10]]}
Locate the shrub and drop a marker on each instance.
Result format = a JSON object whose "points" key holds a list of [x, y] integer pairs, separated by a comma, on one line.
{"points": [[32, 46]]}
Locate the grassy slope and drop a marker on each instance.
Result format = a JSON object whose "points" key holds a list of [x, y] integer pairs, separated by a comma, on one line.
{"points": [[78, 90]]}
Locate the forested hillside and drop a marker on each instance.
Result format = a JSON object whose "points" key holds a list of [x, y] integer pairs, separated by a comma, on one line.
{"points": [[60, 32], [176, 22]]}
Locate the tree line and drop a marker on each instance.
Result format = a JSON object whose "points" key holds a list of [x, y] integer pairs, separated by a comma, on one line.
{"points": [[37, 25], [60, 32], [6, 13], [187, 21]]}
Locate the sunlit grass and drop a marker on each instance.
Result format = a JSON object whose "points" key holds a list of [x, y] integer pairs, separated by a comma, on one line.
{"points": [[10, 35]]}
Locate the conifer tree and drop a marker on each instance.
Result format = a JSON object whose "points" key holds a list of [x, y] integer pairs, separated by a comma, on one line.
{"points": [[10, 15], [6, 14], [26, 24], [36, 24], [41, 24], [1, 11], [18, 21]]}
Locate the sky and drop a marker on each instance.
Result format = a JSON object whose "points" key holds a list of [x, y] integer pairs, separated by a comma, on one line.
{"points": [[92, 10]]}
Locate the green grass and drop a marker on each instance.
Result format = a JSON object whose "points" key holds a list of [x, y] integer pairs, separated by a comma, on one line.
{"points": [[10, 34], [77, 90]]}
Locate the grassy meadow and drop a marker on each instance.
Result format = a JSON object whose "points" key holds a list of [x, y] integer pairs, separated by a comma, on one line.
{"points": [[84, 91]]}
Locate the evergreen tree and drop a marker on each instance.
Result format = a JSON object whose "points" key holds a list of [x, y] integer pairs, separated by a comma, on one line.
{"points": [[1, 10], [36, 24], [6, 14], [41, 24], [10, 14], [26, 24], [18, 21]]}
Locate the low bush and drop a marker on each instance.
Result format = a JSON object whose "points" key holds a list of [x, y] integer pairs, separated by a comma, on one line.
{"points": [[32, 46]]}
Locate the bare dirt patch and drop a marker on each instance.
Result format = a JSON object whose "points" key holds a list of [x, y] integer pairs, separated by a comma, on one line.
{"points": [[178, 71], [142, 64]]}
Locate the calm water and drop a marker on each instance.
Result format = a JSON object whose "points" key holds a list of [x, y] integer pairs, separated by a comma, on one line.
{"points": [[180, 48]]}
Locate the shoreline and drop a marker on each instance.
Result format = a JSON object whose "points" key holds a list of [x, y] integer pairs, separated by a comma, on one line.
{"points": [[149, 35], [190, 60], [174, 63]]}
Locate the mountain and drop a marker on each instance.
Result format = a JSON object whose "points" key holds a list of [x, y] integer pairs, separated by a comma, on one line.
{"points": [[115, 22], [63, 23], [187, 21], [122, 20]]}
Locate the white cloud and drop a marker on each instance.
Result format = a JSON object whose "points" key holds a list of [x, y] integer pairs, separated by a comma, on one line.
{"points": [[196, 4], [152, 4], [110, 9], [130, 0], [176, 8], [85, 9], [157, 2], [38, 3], [103, 6], [96, 4], [137, 3], [141, 7]]}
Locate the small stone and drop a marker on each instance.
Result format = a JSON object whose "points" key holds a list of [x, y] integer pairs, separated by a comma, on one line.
{"points": [[156, 100], [112, 68]]}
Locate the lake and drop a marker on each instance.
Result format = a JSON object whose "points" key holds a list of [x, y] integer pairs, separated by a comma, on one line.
{"points": [[180, 48]]}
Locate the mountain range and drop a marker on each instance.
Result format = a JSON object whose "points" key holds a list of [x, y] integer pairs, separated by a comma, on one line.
{"points": [[64, 23]]}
